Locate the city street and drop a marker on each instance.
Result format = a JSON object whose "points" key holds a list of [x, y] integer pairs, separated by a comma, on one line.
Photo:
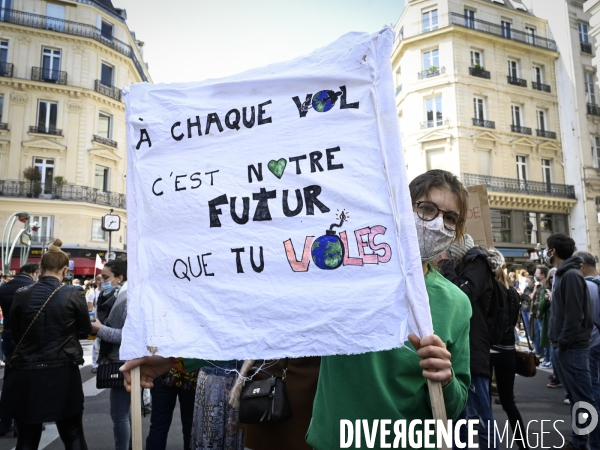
{"points": [[535, 401]]}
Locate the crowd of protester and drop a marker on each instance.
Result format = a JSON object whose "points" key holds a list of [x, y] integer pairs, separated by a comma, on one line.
{"points": [[558, 308]]}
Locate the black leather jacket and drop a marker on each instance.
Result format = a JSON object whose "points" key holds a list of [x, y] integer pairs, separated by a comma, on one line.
{"points": [[53, 340]]}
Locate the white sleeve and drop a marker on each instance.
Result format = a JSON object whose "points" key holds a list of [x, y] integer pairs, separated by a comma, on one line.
{"points": [[91, 296]]}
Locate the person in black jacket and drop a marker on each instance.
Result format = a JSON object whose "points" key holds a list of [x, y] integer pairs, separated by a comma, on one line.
{"points": [[27, 275], [569, 331], [467, 266], [42, 382]]}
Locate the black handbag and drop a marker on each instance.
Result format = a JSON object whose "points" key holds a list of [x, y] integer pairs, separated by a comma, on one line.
{"points": [[109, 376], [265, 401], [526, 362]]}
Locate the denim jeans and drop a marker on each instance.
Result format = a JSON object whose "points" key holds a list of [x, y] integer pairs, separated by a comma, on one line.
{"points": [[479, 407], [527, 321], [164, 399], [595, 372], [574, 371], [537, 332], [120, 406]]}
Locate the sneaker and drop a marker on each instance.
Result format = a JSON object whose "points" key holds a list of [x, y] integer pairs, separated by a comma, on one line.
{"points": [[554, 384], [566, 401]]}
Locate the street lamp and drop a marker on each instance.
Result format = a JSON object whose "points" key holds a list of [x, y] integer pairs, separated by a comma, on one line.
{"points": [[7, 250]]}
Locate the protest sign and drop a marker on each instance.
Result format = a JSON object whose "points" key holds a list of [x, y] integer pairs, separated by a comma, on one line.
{"points": [[479, 222], [269, 213]]}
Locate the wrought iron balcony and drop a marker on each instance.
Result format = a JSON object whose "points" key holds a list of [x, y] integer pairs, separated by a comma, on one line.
{"points": [[516, 81], [434, 123], [512, 185], [6, 69], [27, 19], [546, 134], [593, 109], [398, 89], [105, 141], [109, 91], [479, 72], [3, 126], [66, 192], [483, 123], [519, 129], [431, 72], [586, 47], [540, 86], [497, 30], [45, 130], [48, 75]]}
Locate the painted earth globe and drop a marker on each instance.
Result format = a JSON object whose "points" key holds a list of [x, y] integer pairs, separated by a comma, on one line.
{"points": [[327, 252], [323, 101]]}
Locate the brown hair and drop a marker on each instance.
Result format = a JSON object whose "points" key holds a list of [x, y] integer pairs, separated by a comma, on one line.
{"points": [[54, 259], [442, 179], [502, 277]]}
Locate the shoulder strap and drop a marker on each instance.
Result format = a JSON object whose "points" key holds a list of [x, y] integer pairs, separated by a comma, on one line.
{"points": [[32, 322], [526, 331]]}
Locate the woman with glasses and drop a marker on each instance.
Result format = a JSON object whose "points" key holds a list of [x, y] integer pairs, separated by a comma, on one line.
{"points": [[111, 314]]}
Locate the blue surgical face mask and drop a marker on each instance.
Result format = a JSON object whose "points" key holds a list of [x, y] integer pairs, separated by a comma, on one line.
{"points": [[107, 287]]}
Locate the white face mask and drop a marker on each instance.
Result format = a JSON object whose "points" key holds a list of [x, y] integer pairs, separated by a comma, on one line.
{"points": [[433, 237]]}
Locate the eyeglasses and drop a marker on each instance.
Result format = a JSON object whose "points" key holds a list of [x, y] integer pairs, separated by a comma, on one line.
{"points": [[428, 211]]}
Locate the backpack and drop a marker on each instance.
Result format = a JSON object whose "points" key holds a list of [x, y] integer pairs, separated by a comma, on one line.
{"points": [[597, 283], [498, 319]]}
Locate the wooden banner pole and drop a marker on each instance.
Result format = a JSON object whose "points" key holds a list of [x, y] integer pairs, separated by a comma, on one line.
{"points": [[438, 406], [136, 410]]}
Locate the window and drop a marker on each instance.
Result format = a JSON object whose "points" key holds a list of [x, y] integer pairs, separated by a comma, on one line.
{"points": [[3, 52], [531, 35], [531, 227], [106, 30], [431, 59], [430, 20], [484, 162], [98, 234], [583, 33], [516, 115], [50, 64], [436, 159], [546, 171], [433, 107], [47, 114], [46, 167], [513, 68], [538, 74], [105, 126], [106, 75], [500, 225], [1, 106], [55, 16], [506, 29], [541, 120], [479, 108], [470, 18], [476, 59], [596, 150], [522, 168], [589, 88], [101, 178], [44, 232], [6, 6]]}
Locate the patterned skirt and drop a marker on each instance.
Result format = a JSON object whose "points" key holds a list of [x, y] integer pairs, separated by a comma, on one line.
{"points": [[216, 425]]}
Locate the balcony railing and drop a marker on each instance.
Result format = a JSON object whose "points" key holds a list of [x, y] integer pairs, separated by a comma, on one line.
{"points": [[481, 73], [586, 47], [519, 129], [446, 20], [540, 86], [431, 72], [109, 91], [75, 28], [593, 109], [67, 192], [516, 81], [45, 130], [6, 69], [434, 123], [546, 134], [104, 141], [398, 89], [48, 75], [512, 185], [483, 123]]}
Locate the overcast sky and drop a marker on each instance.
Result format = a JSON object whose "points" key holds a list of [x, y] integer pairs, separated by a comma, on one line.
{"points": [[191, 40]]}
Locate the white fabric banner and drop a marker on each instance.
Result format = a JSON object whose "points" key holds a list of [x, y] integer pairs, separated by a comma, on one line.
{"points": [[269, 213]]}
